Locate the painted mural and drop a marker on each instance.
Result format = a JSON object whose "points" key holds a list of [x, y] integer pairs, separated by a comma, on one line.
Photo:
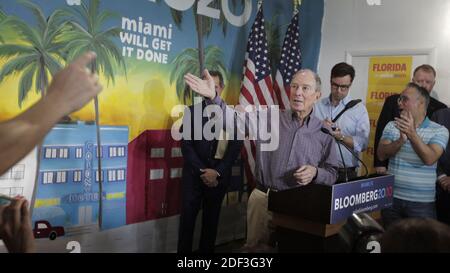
{"points": [[144, 49]]}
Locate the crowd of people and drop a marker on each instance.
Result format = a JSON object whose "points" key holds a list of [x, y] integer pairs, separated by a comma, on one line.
{"points": [[412, 135], [411, 143]]}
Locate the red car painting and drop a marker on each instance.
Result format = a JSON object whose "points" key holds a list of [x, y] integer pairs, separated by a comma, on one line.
{"points": [[43, 229]]}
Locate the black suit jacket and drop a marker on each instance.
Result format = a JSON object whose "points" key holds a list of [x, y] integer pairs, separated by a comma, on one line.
{"points": [[443, 117], [388, 113], [199, 154]]}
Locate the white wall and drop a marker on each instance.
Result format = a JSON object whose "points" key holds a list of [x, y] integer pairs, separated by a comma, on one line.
{"points": [[351, 25]]}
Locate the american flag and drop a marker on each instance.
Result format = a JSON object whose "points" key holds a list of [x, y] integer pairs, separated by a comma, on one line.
{"points": [[257, 85], [290, 63]]}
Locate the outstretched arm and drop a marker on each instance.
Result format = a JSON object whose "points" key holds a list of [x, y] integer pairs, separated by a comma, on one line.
{"points": [[70, 89], [237, 119]]}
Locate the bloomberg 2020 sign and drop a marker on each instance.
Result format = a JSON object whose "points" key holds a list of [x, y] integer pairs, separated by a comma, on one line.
{"points": [[368, 195]]}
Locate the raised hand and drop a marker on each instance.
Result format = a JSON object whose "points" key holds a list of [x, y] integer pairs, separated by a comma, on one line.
{"points": [[75, 85], [205, 88], [406, 125]]}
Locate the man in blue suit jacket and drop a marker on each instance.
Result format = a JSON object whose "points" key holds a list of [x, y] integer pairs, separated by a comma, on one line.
{"points": [[206, 177]]}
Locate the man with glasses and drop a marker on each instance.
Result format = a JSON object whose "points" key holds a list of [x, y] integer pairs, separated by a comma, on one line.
{"points": [[352, 128], [413, 145], [423, 76]]}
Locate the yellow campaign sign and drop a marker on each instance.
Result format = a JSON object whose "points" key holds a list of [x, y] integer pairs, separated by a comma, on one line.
{"points": [[388, 75], [374, 107], [377, 93], [389, 70]]}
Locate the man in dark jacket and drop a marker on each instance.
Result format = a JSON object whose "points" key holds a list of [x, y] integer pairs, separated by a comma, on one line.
{"points": [[206, 176], [443, 172]]}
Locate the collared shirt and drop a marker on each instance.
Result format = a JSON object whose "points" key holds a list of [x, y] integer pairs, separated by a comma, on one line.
{"points": [[298, 145], [414, 180], [353, 123], [222, 141]]}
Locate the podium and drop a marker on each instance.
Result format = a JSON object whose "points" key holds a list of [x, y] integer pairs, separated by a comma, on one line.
{"points": [[315, 213]]}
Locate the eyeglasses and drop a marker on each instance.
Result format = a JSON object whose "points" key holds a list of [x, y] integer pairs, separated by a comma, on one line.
{"points": [[342, 87]]}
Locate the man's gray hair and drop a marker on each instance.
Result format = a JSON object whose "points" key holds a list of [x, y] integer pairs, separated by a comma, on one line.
{"points": [[422, 93], [316, 77]]}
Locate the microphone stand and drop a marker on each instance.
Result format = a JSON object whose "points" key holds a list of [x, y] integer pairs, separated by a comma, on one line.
{"points": [[326, 131], [355, 156], [342, 157]]}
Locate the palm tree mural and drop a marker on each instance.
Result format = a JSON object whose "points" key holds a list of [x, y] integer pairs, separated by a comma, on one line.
{"points": [[3, 17], [40, 53], [193, 60], [88, 34], [188, 62]]}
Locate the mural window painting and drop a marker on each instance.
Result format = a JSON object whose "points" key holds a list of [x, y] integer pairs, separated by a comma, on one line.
{"points": [[77, 176], [79, 152], [48, 178]]}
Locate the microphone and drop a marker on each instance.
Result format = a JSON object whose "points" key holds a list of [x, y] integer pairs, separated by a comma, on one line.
{"points": [[349, 105], [326, 131]]}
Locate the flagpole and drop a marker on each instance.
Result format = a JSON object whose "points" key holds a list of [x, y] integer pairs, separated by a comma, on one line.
{"points": [[297, 4]]}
